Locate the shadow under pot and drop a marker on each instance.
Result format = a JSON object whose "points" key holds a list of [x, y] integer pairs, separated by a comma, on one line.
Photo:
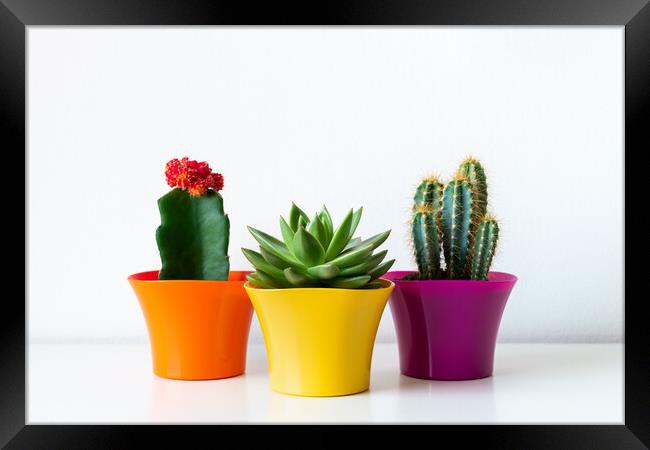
{"points": [[319, 341], [447, 329], [198, 329]]}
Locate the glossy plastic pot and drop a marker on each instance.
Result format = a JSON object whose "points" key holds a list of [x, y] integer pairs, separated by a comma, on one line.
{"points": [[319, 341], [198, 329], [447, 329]]}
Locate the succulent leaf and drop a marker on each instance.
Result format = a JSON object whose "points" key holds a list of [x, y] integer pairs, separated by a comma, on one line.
{"points": [[354, 242], [365, 266], [296, 278], [274, 246], [275, 283], [252, 277], [374, 241], [326, 218], [351, 257], [356, 218], [317, 229], [307, 248], [324, 271], [295, 214], [340, 238], [287, 232], [302, 222], [349, 283], [360, 252], [381, 269], [273, 260], [258, 261]]}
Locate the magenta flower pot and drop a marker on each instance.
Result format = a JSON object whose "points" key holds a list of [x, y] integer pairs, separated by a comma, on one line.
{"points": [[447, 329]]}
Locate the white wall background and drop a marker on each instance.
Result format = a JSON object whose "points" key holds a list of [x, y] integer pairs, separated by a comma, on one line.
{"points": [[345, 117]]}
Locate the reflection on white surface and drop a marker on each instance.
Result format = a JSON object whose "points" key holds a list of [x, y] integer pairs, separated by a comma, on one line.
{"points": [[288, 408], [446, 399], [533, 383], [218, 400]]}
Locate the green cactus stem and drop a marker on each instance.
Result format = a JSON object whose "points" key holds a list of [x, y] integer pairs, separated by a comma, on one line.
{"points": [[485, 244], [193, 236], [418, 234], [426, 229], [427, 191], [426, 234], [457, 206], [472, 170]]}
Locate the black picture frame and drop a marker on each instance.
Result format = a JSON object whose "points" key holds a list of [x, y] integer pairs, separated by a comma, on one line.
{"points": [[634, 15]]}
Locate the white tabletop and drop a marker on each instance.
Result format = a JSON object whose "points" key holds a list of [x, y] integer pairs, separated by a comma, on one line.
{"points": [[532, 383]]}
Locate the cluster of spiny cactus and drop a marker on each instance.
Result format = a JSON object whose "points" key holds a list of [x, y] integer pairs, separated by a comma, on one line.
{"points": [[451, 226], [313, 253]]}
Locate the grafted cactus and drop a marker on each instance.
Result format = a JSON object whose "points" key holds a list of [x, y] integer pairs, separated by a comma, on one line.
{"points": [[450, 226], [194, 231]]}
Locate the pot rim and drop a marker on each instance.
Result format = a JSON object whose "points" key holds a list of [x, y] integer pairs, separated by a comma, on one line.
{"points": [[388, 284], [498, 278], [151, 277]]}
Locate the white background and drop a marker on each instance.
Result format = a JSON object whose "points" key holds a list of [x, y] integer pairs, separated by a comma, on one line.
{"points": [[345, 117]]}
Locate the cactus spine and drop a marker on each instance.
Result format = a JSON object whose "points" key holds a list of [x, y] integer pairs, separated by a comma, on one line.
{"points": [[485, 243], [457, 204], [426, 228], [451, 223]]}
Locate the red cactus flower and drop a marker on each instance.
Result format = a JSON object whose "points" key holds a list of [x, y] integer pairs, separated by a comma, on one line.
{"points": [[193, 176]]}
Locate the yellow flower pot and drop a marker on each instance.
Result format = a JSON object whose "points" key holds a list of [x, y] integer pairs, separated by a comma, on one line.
{"points": [[319, 341]]}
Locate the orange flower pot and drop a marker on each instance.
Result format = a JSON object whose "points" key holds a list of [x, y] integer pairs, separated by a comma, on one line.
{"points": [[198, 329]]}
